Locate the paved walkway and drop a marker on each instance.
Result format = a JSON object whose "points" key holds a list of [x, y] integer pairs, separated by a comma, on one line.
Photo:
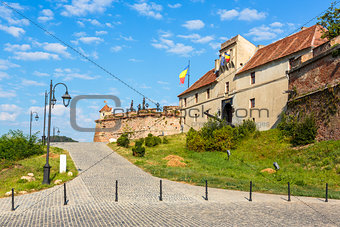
{"points": [[91, 200]]}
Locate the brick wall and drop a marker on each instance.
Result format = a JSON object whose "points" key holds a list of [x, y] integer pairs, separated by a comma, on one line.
{"points": [[139, 126]]}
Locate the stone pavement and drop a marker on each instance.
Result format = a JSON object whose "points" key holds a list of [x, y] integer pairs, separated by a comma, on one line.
{"points": [[92, 200]]}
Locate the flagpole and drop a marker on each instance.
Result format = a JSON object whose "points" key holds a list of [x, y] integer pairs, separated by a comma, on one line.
{"points": [[189, 74]]}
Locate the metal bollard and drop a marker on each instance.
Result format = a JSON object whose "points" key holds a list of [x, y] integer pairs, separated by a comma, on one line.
{"points": [[65, 198], [206, 189], [116, 191], [250, 191], [288, 192], [160, 191], [326, 193], [13, 199]]}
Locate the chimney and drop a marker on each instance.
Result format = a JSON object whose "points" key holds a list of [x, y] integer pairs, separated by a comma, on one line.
{"points": [[303, 28], [260, 46]]}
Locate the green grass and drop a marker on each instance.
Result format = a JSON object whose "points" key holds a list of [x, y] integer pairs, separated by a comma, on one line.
{"points": [[307, 169], [10, 176]]}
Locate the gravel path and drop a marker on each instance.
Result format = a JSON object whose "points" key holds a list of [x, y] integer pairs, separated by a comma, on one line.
{"points": [[92, 200]]}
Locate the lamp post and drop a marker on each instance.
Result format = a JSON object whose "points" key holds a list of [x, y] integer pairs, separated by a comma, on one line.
{"points": [[44, 137], [54, 131], [31, 117], [52, 101]]}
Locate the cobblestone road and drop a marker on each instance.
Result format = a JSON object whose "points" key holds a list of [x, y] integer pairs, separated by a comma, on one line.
{"points": [[91, 200]]}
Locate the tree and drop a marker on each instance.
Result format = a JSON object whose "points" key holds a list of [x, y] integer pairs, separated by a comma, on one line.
{"points": [[331, 22]]}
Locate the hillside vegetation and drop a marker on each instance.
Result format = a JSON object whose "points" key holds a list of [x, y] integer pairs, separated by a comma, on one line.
{"points": [[306, 168]]}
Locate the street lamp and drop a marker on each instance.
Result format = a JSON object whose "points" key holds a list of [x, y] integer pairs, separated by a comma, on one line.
{"points": [[52, 101], [54, 131], [36, 119], [44, 137]]}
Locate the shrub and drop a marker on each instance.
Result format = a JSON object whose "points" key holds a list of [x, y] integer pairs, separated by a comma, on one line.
{"points": [[305, 132], [123, 140], [151, 141], [246, 128], [224, 138], [165, 140], [15, 146], [300, 132], [138, 150], [196, 142]]}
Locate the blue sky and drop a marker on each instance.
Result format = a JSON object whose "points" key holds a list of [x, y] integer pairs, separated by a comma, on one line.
{"points": [[144, 43]]}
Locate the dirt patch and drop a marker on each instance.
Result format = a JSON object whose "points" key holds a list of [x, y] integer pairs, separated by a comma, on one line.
{"points": [[52, 155], [268, 170], [302, 147], [175, 161], [151, 163]]}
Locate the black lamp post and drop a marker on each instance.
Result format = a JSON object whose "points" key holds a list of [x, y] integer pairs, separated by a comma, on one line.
{"points": [[52, 101], [31, 117], [44, 137], [54, 131]]}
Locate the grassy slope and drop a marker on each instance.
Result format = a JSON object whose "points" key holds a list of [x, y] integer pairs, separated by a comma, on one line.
{"points": [[10, 177], [307, 169]]}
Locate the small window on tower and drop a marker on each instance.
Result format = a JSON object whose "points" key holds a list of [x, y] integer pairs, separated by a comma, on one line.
{"points": [[208, 93], [252, 78], [196, 97], [227, 87], [252, 103]]}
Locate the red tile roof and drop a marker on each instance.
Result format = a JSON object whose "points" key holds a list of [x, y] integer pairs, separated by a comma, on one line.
{"points": [[205, 80], [106, 108], [309, 37]]}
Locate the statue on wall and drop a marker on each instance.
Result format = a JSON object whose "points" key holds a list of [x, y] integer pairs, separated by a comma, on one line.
{"points": [[131, 106], [143, 103], [139, 107]]}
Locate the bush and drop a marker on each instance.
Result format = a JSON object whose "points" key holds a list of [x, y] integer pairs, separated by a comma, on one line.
{"points": [[165, 140], [300, 132], [151, 141], [15, 146], [305, 132], [246, 128], [123, 140], [195, 142], [224, 138], [138, 150]]}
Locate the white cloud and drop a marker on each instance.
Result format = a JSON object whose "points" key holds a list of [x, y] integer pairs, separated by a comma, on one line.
{"points": [[127, 38], [40, 74], [94, 22], [116, 48], [144, 86], [175, 6], [84, 7], [162, 82], [5, 64], [215, 45], [148, 9], [46, 15], [69, 74], [6, 116], [14, 31], [56, 48], [193, 24], [89, 40], [246, 14], [101, 32], [79, 34], [81, 24], [4, 75], [9, 108], [7, 14], [251, 14], [135, 60], [263, 33], [15, 47], [276, 24], [35, 56], [26, 82], [196, 38], [227, 14], [7, 94], [172, 47]]}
